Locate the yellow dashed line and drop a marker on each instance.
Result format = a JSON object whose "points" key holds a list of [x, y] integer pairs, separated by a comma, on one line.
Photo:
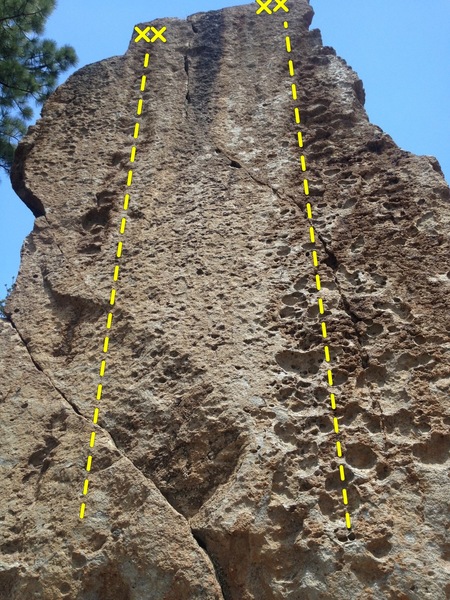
{"points": [[288, 43], [333, 403], [306, 187], [315, 257], [335, 425], [330, 377], [294, 91], [112, 298]]}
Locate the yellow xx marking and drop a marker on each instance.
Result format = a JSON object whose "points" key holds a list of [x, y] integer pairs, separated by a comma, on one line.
{"points": [[265, 6], [281, 4], [158, 34]]}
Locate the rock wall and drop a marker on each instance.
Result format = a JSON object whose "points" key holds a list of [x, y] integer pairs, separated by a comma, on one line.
{"points": [[215, 472]]}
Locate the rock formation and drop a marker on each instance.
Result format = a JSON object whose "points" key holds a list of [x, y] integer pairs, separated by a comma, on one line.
{"points": [[214, 471]]}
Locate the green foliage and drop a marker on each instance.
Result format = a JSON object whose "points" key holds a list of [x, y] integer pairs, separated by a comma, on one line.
{"points": [[9, 289], [29, 67]]}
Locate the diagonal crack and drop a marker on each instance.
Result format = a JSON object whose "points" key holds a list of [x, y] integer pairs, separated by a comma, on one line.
{"points": [[332, 262], [235, 163], [39, 368], [74, 406]]}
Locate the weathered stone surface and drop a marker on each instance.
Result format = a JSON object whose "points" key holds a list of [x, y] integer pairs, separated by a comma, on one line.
{"points": [[214, 471]]}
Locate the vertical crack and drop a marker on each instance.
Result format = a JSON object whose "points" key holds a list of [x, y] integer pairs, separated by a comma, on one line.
{"points": [[187, 65], [188, 95], [220, 575]]}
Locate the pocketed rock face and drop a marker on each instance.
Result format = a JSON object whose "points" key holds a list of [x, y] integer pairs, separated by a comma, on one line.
{"points": [[214, 471]]}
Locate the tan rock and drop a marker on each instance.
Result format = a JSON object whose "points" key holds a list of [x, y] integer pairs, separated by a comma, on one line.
{"points": [[214, 470]]}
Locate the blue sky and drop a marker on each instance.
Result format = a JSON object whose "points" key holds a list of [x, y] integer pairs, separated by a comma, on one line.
{"points": [[399, 48]]}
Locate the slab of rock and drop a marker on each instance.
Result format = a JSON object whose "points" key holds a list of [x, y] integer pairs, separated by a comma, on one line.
{"points": [[214, 471]]}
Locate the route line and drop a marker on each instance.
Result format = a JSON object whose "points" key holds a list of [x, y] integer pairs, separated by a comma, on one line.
{"points": [[112, 298], [318, 286], [264, 6]]}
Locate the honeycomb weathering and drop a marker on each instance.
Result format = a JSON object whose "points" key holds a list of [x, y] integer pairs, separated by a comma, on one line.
{"points": [[214, 472]]}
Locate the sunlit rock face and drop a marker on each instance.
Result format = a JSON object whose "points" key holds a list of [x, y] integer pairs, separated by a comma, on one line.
{"points": [[215, 472]]}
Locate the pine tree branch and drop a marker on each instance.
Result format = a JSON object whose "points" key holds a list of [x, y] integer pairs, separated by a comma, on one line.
{"points": [[19, 15], [13, 87]]}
